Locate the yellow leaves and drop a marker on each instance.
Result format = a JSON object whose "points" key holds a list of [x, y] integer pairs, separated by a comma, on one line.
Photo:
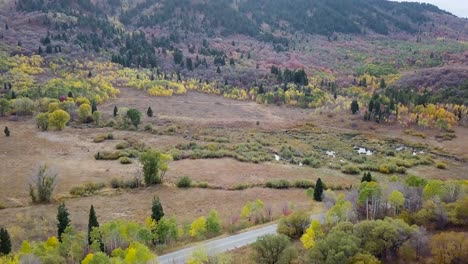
{"points": [[25, 248], [52, 242], [58, 119], [88, 258], [236, 93], [159, 91], [312, 233], [198, 227]]}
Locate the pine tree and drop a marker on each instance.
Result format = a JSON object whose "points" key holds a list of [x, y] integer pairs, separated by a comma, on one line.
{"points": [[70, 94], [260, 89], [115, 111], [218, 70], [6, 27], [39, 50], [92, 223], [318, 190], [382, 83], [149, 112], [5, 242], [157, 211], [63, 220], [6, 131], [93, 107], [354, 107], [367, 177], [90, 74]]}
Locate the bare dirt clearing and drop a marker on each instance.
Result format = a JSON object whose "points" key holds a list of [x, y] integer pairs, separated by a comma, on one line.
{"points": [[204, 109], [227, 173]]}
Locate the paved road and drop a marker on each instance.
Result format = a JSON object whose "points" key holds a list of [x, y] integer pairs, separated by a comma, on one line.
{"points": [[223, 244]]}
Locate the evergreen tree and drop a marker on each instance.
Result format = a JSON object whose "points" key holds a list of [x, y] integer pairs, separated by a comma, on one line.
{"points": [[382, 83], [90, 74], [318, 190], [149, 112], [189, 64], [6, 27], [93, 107], [218, 70], [367, 177], [6, 131], [92, 223], [5, 242], [115, 111], [335, 96], [231, 62], [63, 220], [39, 50], [260, 89], [354, 107], [70, 94], [157, 211]]}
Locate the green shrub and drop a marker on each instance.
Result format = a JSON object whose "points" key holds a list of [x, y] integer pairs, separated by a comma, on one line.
{"points": [[294, 225], [384, 169], [351, 169], [110, 123], [176, 154], [87, 189], [105, 155], [240, 187], [148, 127], [335, 166], [103, 137], [171, 129], [311, 162], [42, 121], [184, 182], [401, 170], [124, 184], [202, 185], [304, 184], [389, 168], [125, 160], [122, 145], [278, 184], [441, 165]]}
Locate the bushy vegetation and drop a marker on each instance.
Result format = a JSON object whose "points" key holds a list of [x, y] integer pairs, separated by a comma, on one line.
{"points": [[87, 189], [184, 182]]}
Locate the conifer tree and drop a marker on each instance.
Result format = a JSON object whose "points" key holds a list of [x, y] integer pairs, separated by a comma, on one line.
{"points": [[5, 242], [157, 211], [6, 131], [367, 177], [149, 112], [63, 220], [354, 106], [93, 107], [92, 223], [116, 110], [318, 190]]}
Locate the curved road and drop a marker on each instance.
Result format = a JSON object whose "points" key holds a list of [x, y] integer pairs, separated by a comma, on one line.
{"points": [[224, 244]]}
